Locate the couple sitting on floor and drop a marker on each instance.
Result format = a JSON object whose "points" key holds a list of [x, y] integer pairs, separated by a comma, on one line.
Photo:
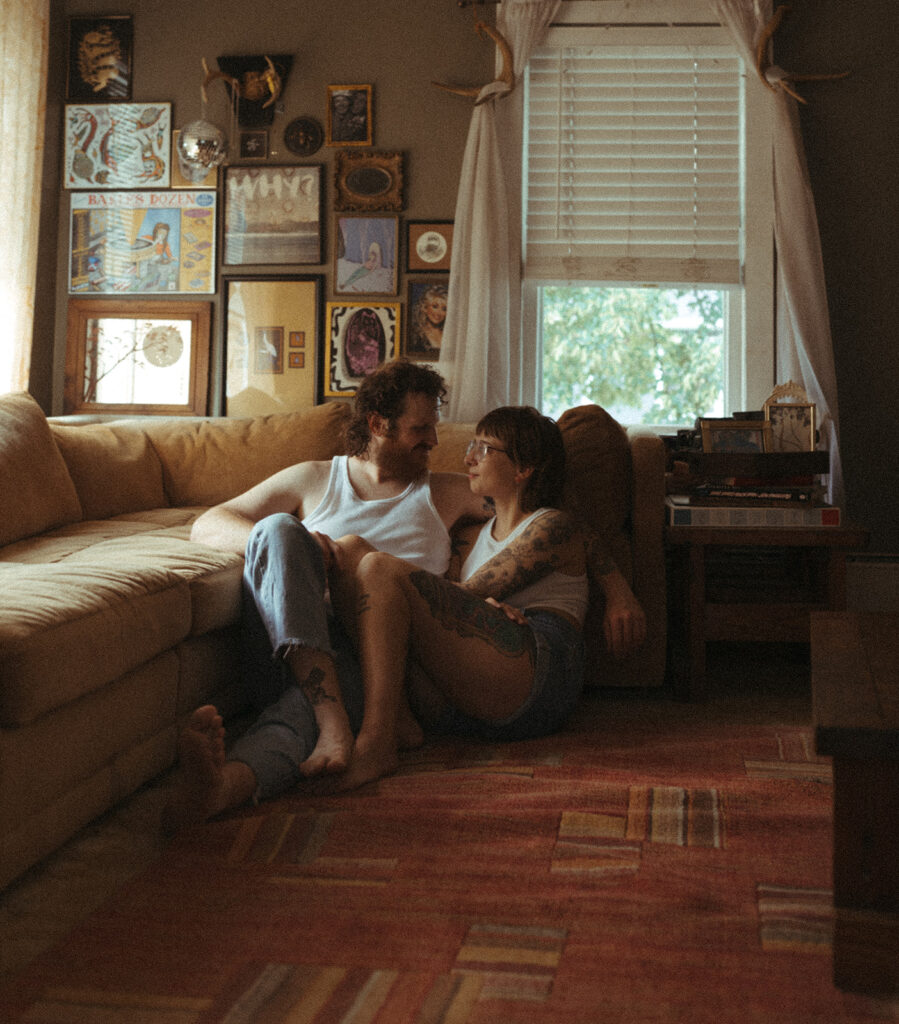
{"points": [[365, 623]]}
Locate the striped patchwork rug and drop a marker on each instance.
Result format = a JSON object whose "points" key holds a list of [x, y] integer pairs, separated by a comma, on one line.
{"points": [[648, 864]]}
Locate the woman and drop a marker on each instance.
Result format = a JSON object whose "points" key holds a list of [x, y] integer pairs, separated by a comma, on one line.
{"points": [[499, 654]]}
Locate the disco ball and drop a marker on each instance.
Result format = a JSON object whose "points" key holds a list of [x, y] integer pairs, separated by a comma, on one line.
{"points": [[201, 147]]}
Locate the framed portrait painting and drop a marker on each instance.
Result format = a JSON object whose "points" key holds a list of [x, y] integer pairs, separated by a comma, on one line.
{"points": [[425, 317], [365, 254], [137, 357], [361, 335], [99, 58], [273, 214], [349, 115], [272, 344]]}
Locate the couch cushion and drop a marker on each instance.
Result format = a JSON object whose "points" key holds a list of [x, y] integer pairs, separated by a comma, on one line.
{"points": [[452, 440], [37, 492], [114, 466], [212, 460]]}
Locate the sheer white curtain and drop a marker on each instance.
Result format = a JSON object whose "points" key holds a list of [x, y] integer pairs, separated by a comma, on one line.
{"points": [[804, 344], [481, 354], [24, 31]]}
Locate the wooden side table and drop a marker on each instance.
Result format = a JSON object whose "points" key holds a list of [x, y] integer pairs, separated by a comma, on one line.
{"points": [[855, 696], [748, 584]]}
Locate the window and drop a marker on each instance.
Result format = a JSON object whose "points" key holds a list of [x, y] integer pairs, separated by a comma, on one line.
{"points": [[648, 223]]}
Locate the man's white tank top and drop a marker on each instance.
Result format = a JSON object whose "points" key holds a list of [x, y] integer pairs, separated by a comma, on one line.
{"points": [[406, 525]]}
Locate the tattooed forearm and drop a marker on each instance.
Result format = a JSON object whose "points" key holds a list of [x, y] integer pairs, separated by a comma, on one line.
{"points": [[461, 612], [315, 692]]}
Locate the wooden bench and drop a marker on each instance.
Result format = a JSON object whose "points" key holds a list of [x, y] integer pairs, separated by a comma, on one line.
{"points": [[855, 695]]}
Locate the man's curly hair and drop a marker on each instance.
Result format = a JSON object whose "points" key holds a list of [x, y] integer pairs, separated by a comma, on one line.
{"points": [[384, 392]]}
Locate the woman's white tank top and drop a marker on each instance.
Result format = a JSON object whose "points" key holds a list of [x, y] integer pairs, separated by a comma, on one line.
{"points": [[406, 525]]}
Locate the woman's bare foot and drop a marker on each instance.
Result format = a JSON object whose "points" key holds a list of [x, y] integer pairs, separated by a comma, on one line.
{"points": [[207, 784], [334, 747], [372, 759]]}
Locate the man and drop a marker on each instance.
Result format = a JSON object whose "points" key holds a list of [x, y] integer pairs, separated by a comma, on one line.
{"points": [[381, 491]]}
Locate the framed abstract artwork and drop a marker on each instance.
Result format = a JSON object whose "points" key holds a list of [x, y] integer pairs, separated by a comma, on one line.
{"points": [[273, 342], [99, 58], [120, 145], [365, 254], [361, 335], [142, 242], [273, 214], [137, 357]]}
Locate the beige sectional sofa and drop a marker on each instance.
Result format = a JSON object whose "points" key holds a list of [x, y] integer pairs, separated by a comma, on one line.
{"points": [[114, 626]]}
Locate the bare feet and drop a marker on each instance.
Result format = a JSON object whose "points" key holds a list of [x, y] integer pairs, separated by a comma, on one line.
{"points": [[334, 747], [371, 759], [409, 734], [207, 784]]}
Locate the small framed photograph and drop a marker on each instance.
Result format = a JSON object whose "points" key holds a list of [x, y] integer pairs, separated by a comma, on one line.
{"points": [[273, 214], [365, 254], [137, 357], [99, 59], [114, 146], [368, 181], [425, 317], [361, 336], [430, 246], [253, 144], [792, 426], [268, 365], [747, 436], [349, 115]]}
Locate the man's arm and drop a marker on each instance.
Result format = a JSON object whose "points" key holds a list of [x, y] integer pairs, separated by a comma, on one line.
{"points": [[624, 622], [454, 501], [296, 490]]}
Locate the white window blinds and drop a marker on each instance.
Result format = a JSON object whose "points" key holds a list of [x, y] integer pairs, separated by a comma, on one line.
{"points": [[634, 164]]}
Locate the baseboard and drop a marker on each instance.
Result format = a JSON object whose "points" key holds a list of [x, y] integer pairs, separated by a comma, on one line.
{"points": [[872, 583]]}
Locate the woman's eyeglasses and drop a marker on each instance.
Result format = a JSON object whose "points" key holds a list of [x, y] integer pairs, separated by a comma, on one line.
{"points": [[479, 449]]}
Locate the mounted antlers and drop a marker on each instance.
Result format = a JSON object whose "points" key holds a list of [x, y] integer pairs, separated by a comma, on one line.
{"points": [[775, 77], [507, 75]]}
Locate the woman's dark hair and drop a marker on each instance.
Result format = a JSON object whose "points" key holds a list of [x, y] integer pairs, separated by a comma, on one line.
{"points": [[532, 441], [384, 392]]}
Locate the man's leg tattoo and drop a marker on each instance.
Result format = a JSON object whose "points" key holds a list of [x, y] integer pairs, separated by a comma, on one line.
{"points": [[312, 686]]}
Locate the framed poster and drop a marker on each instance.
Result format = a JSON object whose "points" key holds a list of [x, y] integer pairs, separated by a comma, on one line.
{"points": [[121, 145], [365, 254], [430, 245], [425, 317], [99, 52], [273, 214], [361, 336], [142, 242], [273, 343], [137, 357], [349, 115]]}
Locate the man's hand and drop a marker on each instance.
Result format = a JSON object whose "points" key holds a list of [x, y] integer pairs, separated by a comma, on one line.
{"points": [[624, 625]]}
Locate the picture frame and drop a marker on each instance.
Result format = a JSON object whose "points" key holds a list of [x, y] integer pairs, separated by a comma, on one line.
{"points": [[273, 214], [730, 435], [361, 335], [349, 121], [177, 179], [142, 242], [273, 343], [366, 251], [100, 54], [368, 181], [429, 246], [792, 426], [117, 146], [253, 144], [137, 357], [426, 308]]}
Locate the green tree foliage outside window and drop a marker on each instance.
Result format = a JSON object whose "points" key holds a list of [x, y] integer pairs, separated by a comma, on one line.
{"points": [[656, 352]]}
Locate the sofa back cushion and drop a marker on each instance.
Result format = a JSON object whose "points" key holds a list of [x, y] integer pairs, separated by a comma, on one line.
{"points": [[36, 491], [114, 466], [208, 461]]}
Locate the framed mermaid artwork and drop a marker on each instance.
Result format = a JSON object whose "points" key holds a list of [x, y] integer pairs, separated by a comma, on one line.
{"points": [[365, 254]]}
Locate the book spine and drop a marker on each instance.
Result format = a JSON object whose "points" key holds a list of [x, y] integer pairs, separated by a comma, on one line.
{"points": [[760, 515]]}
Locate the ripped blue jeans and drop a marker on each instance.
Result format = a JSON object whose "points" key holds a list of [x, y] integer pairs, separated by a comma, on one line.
{"points": [[284, 607]]}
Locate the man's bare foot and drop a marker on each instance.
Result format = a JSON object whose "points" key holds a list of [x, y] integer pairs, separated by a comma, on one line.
{"points": [[371, 760], [334, 747], [200, 789]]}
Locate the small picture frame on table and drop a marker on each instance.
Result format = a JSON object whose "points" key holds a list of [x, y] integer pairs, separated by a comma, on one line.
{"points": [[361, 335], [425, 317], [792, 426], [730, 435], [365, 254], [430, 246], [273, 331], [349, 115]]}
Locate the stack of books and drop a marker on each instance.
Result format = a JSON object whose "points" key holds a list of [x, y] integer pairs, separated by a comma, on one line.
{"points": [[774, 489]]}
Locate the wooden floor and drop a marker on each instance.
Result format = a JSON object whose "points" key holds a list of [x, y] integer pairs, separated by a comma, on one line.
{"points": [[749, 683]]}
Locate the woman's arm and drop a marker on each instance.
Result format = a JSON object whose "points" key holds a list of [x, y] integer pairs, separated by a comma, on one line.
{"points": [[552, 543]]}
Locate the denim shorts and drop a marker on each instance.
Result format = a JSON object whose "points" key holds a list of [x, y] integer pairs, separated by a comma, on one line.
{"points": [[558, 682]]}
